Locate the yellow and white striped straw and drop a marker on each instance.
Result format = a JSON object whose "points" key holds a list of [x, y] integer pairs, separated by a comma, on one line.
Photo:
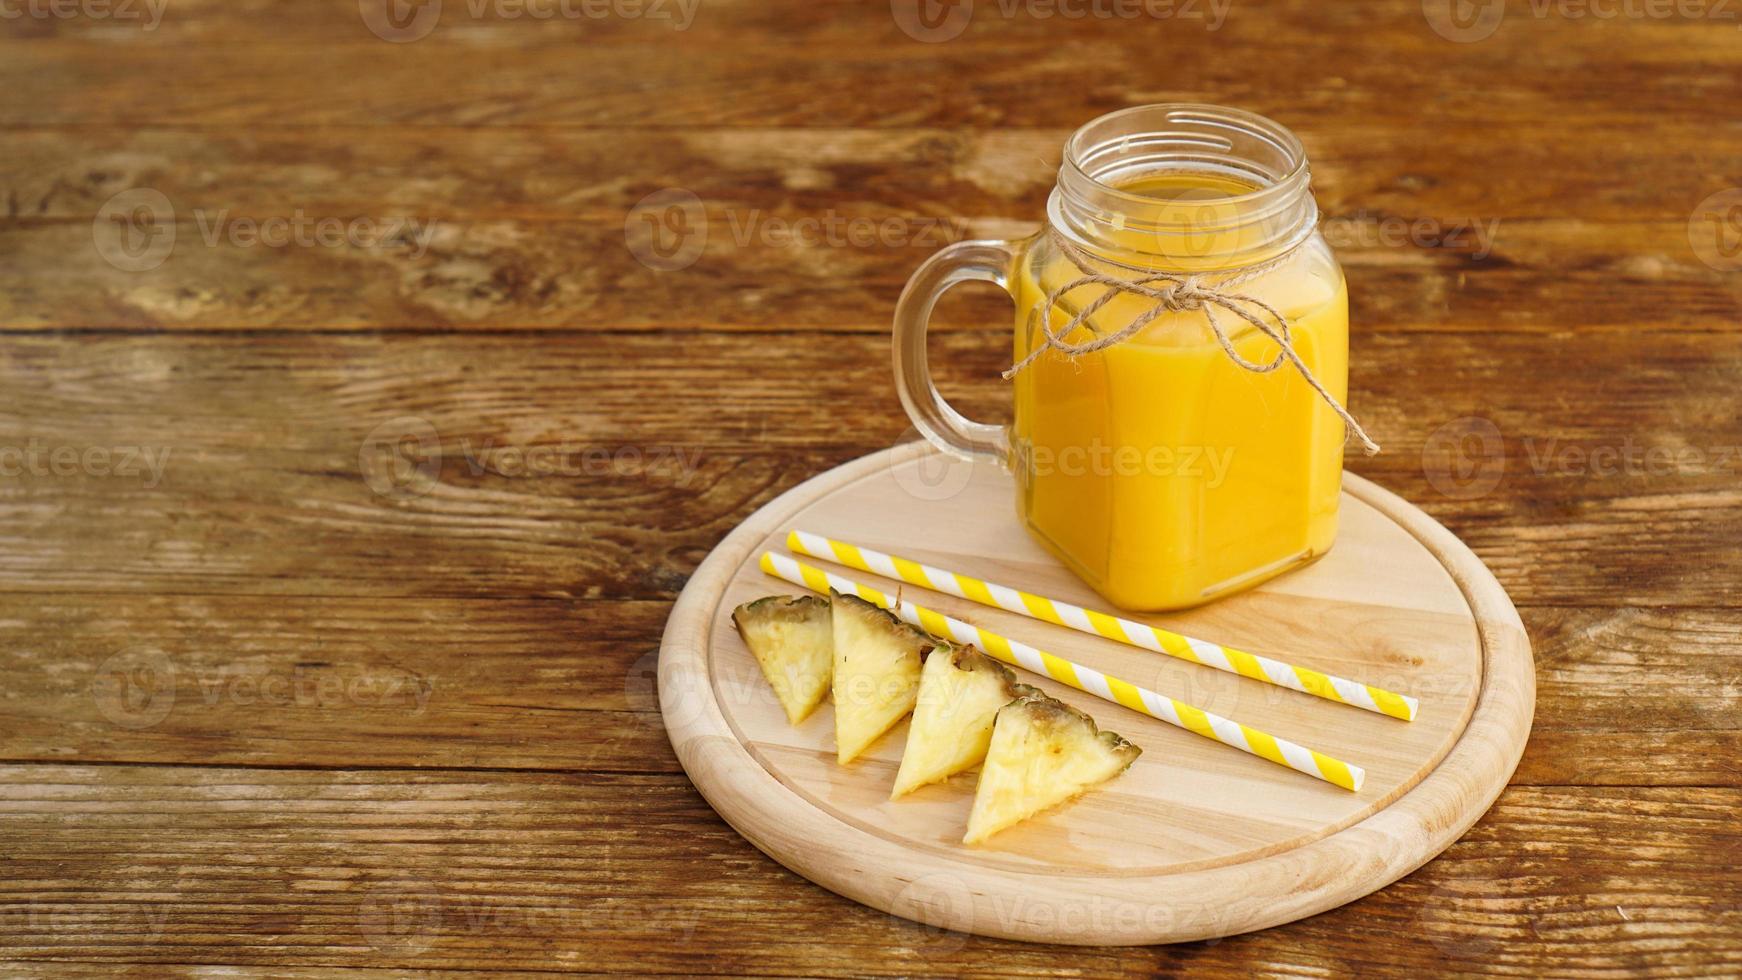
{"points": [[1264, 669], [1086, 679]]}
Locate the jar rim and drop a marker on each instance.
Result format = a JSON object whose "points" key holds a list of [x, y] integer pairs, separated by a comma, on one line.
{"points": [[1090, 206], [1269, 129]]}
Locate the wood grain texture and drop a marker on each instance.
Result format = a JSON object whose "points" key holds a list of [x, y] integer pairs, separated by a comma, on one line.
{"points": [[268, 680], [508, 870], [530, 602], [737, 63], [500, 217], [542, 442], [501, 275], [1398, 603]]}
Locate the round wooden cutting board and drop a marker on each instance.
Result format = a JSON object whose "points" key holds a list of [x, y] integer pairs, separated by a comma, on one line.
{"points": [[1196, 840]]}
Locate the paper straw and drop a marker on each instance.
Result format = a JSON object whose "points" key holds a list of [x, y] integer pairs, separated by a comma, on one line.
{"points": [[1085, 679], [1264, 669]]}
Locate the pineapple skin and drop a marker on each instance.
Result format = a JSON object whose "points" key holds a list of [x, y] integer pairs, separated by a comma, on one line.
{"points": [[959, 697], [876, 674], [1043, 753], [792, 640]]}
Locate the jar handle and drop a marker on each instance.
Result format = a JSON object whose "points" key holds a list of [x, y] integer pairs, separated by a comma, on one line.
{"points": [[942, 425]]}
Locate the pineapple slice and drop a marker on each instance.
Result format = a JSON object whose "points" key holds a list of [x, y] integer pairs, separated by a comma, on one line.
{"points": [[960, 693], [877, 664], [1043, 753], [793, 642]]}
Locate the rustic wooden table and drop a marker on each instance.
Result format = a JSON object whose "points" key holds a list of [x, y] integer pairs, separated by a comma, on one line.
{"points": [[357, 431]]}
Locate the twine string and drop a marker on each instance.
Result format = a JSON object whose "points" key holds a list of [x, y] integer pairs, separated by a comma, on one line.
{"points": [[1175, 293]]}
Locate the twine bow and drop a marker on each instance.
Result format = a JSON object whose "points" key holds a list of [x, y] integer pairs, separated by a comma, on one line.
{"points": [[1180, 294]]}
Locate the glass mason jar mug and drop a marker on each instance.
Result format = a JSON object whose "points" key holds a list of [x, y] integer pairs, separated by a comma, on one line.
{"points": [[1181, 358]]}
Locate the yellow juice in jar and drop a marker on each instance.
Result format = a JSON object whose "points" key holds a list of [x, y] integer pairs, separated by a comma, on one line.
{"points": [[1161, 471]]}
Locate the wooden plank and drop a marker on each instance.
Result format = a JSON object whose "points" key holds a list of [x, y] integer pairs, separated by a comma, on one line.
{"points": [[1631, 697], [510, 275], [595, 175], [445, 870], [1602, 756], [736, 65], [498, 684], [578, 465], [482, 230]]}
